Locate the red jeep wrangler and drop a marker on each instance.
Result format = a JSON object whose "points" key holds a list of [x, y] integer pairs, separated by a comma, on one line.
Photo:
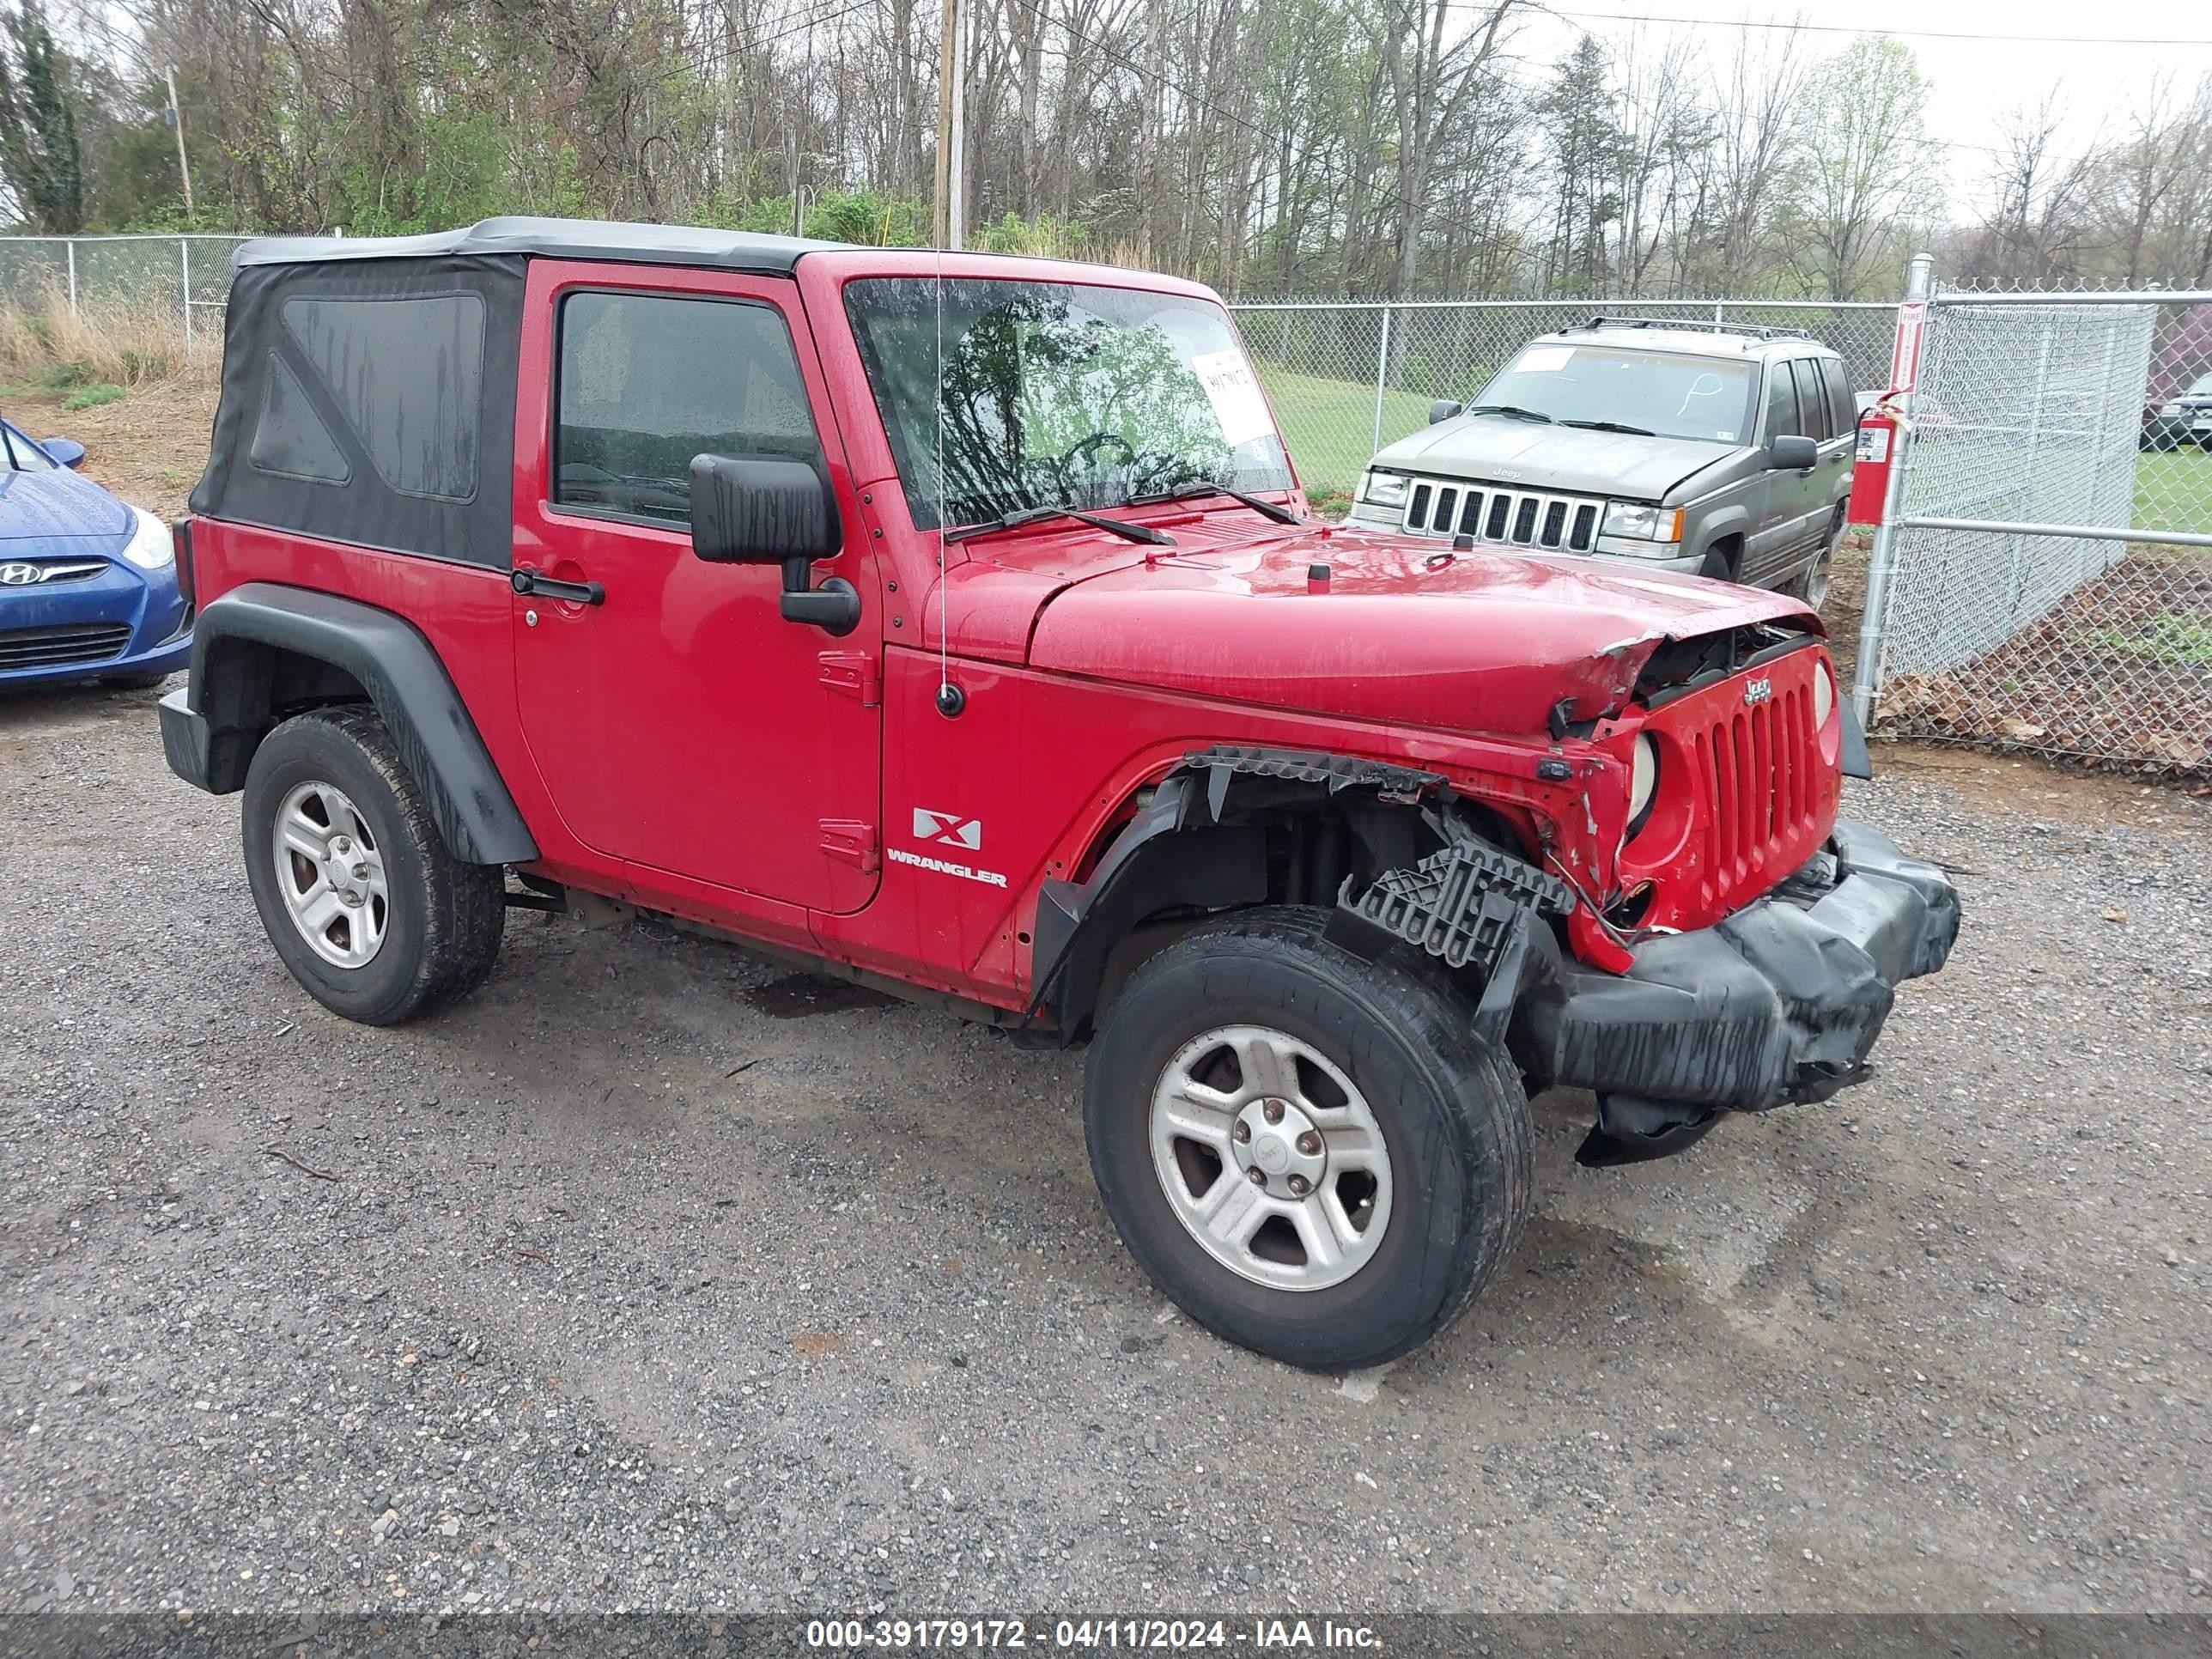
{"points": [[953, 624]]}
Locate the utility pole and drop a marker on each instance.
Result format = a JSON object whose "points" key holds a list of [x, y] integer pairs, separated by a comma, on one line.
{"points": [[951, 143], [177, 121]]}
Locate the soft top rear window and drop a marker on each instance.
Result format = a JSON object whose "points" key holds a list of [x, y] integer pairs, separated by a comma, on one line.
{"points": [[407, 376]]}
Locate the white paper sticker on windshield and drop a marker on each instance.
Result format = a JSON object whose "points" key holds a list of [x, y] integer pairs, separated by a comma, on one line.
{"points": [[1543, 360], [1238, 402]]}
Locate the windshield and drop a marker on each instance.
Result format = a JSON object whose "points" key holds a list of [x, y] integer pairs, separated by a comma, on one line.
{"points": [[1702, 398], [1057, 394]]}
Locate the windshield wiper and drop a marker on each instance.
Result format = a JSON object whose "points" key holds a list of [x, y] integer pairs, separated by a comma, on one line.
{"points": [[1021, 515], [1274, 510], [1613, 426], [1513, 410]]}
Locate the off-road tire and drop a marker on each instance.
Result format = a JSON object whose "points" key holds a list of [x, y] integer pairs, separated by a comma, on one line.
{"points": [[1456, 1123], [445, 917]]}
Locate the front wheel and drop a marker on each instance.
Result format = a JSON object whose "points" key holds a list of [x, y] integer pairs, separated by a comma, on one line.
{"points": [[357, 890], [1812, 583], [1311, 1154]]}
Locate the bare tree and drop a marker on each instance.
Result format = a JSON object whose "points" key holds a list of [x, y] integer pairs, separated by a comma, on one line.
{"points": [[1865, 171]]}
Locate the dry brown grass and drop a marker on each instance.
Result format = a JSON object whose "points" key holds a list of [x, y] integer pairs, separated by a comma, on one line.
{"points": [[43, 343]]}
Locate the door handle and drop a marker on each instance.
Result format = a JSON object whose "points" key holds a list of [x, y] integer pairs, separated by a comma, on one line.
{"points": [[528, 579]]}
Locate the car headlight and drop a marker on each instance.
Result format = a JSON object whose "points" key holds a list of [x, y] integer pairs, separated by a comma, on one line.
{"points": [[1643, 782], [1382, 488], [2170, 410], [1650, 524], [1824, 695], [150, 547]]}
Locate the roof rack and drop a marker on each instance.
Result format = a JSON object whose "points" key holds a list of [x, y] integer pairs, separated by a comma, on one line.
{"points": [[1749, 331]]}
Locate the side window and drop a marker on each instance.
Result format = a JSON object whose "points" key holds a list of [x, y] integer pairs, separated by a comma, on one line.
{"points": [[407, 375], [22, 455], [1843, 406], [1812, 400], [647, 382], [1780, 404]]}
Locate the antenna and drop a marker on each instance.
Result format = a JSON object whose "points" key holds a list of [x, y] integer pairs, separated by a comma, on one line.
{"points": [[951, 698]]}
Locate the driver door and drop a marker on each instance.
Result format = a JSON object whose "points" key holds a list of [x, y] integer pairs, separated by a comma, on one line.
{"points": [[679, 723]]}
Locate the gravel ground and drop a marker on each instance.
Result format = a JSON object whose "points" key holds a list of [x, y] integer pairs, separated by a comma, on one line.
{"points": [[658, 1277]]}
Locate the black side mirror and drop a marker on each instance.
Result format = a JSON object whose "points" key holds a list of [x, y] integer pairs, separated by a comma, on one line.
{"points": [[749, 509], [1792, 454], [1444, 409], [760, 509]]}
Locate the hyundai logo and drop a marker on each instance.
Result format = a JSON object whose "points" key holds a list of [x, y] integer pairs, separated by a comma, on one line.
{"points": [[20, 575]]}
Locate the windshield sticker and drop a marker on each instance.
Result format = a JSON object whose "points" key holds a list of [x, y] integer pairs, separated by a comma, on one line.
{"points": [[1238, 402], [1543, 360]]}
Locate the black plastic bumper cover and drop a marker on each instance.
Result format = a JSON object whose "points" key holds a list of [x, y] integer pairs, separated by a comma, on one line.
{"points": [[1780, 1003], [185, 740]]}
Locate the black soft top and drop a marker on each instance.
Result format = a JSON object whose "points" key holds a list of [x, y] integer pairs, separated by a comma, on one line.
{"points": [[551, 239]]}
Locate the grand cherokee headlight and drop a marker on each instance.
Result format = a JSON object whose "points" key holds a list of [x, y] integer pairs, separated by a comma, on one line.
{"points": [[1643, 783], [150, 547], [1382, 488], [1650, 524]]}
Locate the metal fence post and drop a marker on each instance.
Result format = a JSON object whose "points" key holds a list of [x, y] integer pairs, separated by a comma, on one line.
{"points": [[184, 260], [1866, 674], [70, 247], [1382, 377]]}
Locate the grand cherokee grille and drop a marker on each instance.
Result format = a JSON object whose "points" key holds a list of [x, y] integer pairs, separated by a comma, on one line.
{"points": [[1509, 517], [53, 647]]}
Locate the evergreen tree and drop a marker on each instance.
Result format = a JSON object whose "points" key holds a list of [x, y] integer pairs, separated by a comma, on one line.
{"points": [[40, 160]]}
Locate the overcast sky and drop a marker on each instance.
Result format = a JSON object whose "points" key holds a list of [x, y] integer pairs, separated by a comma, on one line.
{"points": [[2100, 76]]}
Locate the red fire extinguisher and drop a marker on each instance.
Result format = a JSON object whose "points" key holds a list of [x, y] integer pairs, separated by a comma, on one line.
{"points": [[1877, 442]]}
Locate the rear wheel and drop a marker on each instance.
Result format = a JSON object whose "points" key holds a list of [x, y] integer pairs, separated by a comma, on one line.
{"points": [[357, 890], [1311, 1154]]}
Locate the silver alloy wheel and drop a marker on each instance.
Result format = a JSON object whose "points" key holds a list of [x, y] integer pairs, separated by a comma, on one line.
{"points": [[1812, 585], [1271, 1159], [330, 872]]}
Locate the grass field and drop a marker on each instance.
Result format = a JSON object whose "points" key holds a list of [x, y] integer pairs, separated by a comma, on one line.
{"points": [[2174, 491], [1329, 425]]}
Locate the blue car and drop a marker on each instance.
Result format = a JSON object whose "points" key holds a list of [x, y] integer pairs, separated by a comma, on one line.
{"points": [[89, 585]]}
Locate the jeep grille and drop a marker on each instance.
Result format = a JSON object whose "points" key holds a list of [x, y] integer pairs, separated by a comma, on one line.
{"points": [[1764, 788], [1509, 517]]}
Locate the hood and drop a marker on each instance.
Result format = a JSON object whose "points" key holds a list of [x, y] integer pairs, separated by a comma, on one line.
{"points": [[1571, 458], [58, 505], [1407, 633]]}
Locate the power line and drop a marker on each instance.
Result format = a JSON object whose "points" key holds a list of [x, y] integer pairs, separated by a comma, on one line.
{"points": [[1846, 29]]}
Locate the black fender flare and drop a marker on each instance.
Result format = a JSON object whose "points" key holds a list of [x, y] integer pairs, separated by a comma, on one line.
{"points": [[226, 710], [1177, 852]]}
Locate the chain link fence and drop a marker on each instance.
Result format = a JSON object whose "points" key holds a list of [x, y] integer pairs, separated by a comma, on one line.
{"points": [[187, 276], [1347, 378], [2042, 581]]}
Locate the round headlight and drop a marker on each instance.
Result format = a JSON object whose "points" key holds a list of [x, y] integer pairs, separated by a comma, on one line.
{"points": [[1643, 781], [1824, 695]]}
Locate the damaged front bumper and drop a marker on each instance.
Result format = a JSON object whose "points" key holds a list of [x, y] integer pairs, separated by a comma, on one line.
{"points": [[1779, 1004]]}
